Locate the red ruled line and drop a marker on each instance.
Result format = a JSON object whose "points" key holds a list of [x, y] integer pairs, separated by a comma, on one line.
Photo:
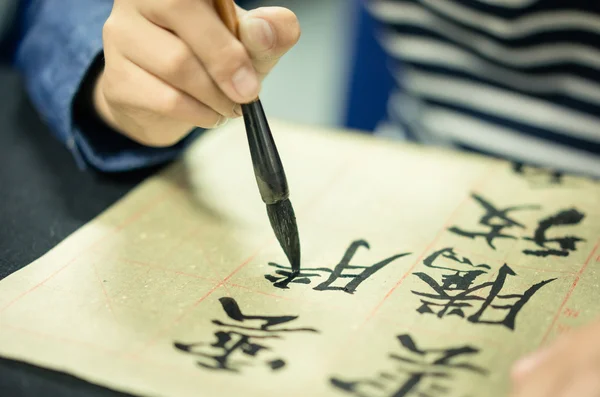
{"points": [[346, 166], [569, 293], [105, 293], [466, 199], [125, 223]]}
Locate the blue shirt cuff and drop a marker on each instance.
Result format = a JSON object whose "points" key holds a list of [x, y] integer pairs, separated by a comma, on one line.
{"points": [[60, 42]]}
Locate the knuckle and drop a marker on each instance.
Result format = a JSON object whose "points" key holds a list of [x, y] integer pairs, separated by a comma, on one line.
{"points": [[176, 62], [164, 12], [169, 102], [111, 91], [113, 88], [109, 29], [228, 60]]}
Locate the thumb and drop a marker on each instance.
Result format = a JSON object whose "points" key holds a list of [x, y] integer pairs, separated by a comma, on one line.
{"points": [[268, 33]]}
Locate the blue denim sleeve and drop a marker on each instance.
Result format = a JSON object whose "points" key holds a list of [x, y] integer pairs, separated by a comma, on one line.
{"points": [[60, 41]]}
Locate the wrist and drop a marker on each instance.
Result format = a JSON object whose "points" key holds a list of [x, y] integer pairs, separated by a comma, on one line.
{"points": [[100, 104], [90, 110]]}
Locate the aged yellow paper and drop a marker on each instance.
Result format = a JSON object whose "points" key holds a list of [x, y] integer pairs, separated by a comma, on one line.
{"points": [[424, 271]]}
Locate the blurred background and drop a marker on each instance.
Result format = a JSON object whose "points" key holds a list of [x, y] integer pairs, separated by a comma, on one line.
{"points": [[309, 84], [321, 81]]}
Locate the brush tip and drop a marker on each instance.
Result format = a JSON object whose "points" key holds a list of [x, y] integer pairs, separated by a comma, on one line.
{"points": [[283, 222]]}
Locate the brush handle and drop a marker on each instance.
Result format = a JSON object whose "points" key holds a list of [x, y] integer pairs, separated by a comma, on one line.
{"points": [[268, 170], [226, 11]]}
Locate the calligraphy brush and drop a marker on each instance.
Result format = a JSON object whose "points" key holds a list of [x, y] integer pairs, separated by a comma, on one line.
{"points": [[268, 169]]}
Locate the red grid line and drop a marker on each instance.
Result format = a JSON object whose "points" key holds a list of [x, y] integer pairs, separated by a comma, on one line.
{"points": [[111, 352], [151, 342], [105, 293], [61, 338], [440, 333], [213, 268], [165, 329], [490, 278], [537, 269], [569, 293], [224, 282], [132, 219], [125, 223], [499, 262], [190, 233], [194, 231], [265, 293], [467, 197], [318, 302], [166, 269]]}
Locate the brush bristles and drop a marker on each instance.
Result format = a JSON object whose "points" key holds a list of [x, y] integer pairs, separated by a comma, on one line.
{"points": [[283, 222]]}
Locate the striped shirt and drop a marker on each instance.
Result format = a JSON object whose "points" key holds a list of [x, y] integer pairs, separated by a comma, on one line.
{"points": [[519, 79]]}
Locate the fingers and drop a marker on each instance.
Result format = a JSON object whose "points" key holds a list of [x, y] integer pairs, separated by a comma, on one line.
{"points": [[586, 384], [164, 55], [268, 33], [147, 109], [547, 379], [223, 56], [528, 364], [171, 65], [568, 367], [556, 379]]}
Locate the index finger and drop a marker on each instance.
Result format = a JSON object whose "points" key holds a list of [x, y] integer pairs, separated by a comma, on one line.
{"points": [[224, 57]]}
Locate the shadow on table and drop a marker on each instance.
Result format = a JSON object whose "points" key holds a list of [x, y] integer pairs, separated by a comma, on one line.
{"points": [[18, 379], [44, 196]]}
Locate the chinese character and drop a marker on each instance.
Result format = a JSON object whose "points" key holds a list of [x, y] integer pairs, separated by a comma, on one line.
{"points": [[538, 176], [456, 295], [566, 243], [354, 275], [420, 372], [457, 279], [495, 219], [238, 344]]}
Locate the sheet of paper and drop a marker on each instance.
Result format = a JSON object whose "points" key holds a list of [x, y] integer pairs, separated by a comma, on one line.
{"points": [[417, 263]]}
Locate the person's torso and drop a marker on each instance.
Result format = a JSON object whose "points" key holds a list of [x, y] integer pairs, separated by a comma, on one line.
{"points": [[515, 78]]}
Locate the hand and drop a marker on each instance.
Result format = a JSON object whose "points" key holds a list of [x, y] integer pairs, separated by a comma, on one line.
{"points": [[568, 368], [172, 65]]}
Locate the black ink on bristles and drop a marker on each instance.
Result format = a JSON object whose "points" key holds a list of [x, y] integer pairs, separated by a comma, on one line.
{"points": [[283, 222], [268, 169], [271, 181]]}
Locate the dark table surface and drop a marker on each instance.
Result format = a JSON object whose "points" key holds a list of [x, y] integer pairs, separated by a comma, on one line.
{"points": [[44, 197]]}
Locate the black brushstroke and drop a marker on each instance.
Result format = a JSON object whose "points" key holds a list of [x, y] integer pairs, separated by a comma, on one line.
{"points": [[495, 219], [416, 365], [566, 243], [235, 340], [456, 294], [539, 176], [283, 221], [284, 276]]}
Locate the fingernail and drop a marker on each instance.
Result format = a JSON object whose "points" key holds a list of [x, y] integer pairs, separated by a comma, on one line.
{"points": [[261, 33], [245, 82], [237, 109], [222, 121]]}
